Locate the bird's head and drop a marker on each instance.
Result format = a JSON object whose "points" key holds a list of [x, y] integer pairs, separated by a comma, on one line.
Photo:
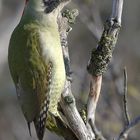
{"points": [[51, 5]]}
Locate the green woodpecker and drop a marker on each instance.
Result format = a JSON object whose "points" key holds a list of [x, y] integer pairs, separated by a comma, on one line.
{"points": [[36, 62]]}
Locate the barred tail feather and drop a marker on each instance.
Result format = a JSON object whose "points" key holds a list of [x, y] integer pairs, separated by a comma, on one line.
{"points": [[40, 122]]}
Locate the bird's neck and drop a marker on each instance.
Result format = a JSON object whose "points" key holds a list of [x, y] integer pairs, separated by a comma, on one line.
{"points": [[35, 10], [36, 4]]}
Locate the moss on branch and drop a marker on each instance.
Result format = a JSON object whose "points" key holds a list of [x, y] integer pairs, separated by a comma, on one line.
{"points": [[101, 56]]}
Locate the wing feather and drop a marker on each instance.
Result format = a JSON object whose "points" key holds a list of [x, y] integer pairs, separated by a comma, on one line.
{"points": [[34, 74]]}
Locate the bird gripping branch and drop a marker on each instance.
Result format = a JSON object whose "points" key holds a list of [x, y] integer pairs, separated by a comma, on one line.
{"points": [[36, 62]]}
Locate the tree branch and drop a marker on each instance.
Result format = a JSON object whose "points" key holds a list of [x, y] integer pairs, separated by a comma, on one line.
{"points": [[98, 134], [96, 67], [117, 7], [101, 56], [75, 121], [124, 134], [67, 101], [129, 124], [126, 113]]}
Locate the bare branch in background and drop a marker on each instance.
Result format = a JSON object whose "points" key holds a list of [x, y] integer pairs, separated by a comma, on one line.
{"points": [[91, 19], [126, 113], [98, 134], [129, 124], [124, 134]]}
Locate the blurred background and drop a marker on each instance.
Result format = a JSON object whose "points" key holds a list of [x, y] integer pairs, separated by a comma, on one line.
{"points": [[84, 36]]}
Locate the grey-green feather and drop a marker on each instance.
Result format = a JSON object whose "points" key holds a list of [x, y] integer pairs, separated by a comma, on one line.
{"points": [[37, 67]]}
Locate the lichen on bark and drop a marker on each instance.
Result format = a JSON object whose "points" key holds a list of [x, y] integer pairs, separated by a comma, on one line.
{"points": [[101, 56]]}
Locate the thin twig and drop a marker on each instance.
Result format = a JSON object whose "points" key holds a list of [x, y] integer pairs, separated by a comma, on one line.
{"points": [[129, 125], [126, 113], [93, 25], [98, 134], [124, 134], [93, 29]]}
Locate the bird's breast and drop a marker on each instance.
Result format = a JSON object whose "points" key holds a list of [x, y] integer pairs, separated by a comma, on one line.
{"points": [[52, 51]]}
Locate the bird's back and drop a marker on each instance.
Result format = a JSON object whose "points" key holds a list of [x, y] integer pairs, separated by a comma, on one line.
{"points": [[37, 68]]}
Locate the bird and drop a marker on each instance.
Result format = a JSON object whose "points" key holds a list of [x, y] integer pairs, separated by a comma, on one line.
{"points": [[36, 62]]}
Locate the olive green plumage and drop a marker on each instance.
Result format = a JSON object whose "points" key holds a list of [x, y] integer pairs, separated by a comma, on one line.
{"points": [[36, 65]]}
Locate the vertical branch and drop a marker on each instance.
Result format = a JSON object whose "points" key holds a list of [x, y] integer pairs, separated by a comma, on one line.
{"points": [[67, 102], [117, 7], [101, 56], [95, 87], [114, 3], [126, 113], [129, 124]]}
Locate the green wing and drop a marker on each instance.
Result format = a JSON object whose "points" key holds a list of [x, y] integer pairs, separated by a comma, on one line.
{"points": [[31, 75]]}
